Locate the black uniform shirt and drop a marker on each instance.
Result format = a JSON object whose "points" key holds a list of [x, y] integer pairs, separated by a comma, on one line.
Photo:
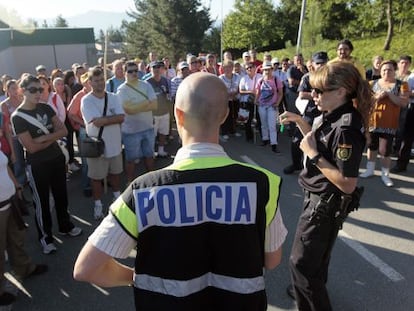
{"points": [[341, 141]]}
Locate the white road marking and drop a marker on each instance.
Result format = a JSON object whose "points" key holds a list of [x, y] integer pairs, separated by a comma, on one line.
{"points": [[106, 293], [373, 259], [17, 283], [246, 159]]}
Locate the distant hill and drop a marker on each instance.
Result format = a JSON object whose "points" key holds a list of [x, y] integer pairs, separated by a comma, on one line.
{"points": [[96, 19]]}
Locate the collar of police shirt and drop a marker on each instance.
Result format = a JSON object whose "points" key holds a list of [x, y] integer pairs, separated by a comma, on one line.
{"points": [[200, 150]]}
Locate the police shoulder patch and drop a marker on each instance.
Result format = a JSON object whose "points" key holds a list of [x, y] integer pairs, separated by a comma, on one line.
{"points": [[344, 152], [346, 119]]}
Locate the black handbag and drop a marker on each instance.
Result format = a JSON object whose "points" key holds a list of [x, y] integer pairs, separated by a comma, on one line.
{"points": [[94, 147]]}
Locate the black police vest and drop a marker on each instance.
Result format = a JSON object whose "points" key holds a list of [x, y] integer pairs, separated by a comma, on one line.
{"points": [[200, 235]]}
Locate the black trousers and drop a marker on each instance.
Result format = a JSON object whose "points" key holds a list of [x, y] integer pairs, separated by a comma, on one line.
{"points": [[295, 151], [311, 253], [248, 125], [407, 139], [45, 178], [229, 125]]}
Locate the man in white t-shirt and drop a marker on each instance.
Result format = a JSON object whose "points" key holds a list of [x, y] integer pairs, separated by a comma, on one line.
{"points": [[138, 134], [110, 164]]}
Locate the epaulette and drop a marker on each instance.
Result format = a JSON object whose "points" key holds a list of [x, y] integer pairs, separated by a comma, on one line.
{"points": [[344, 121]]}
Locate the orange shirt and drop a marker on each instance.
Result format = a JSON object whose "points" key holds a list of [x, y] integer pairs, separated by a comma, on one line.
{"points": [[74, 109], [385, 114]]}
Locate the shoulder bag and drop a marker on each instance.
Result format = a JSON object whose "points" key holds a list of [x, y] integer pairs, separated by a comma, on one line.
{"points": [[61, 142], [94, 147], [131, 107]]}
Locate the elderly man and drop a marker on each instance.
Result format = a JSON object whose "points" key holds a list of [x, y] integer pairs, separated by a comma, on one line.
{"points": [[205, 227]]}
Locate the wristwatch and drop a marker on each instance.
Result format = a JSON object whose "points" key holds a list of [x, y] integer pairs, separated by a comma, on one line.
{"points": [[315, 159]]}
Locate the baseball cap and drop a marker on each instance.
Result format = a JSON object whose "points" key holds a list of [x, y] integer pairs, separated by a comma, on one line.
{"points": [[275, 60], [267, 65], [246, 54], [157, 63], [320, 57], [40, 67], [183, 65]]}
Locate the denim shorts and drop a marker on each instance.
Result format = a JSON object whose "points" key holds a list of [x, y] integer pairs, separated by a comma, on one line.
{"points": [[139, 145]]}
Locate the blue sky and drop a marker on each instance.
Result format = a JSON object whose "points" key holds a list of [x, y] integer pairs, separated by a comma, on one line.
{"points": [[48, 9], [41, 9]]}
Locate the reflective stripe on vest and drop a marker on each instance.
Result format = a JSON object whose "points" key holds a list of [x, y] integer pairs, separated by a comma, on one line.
{"points": [[185, 288]]}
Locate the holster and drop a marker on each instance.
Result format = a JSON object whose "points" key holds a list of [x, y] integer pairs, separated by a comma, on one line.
{"points": [[335, 205]]}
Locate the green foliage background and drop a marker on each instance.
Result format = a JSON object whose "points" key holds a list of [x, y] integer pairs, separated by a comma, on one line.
{"points": [[364, 49]]}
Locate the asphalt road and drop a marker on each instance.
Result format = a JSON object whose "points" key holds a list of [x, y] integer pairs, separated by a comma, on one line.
{"points": [[371, 264]]}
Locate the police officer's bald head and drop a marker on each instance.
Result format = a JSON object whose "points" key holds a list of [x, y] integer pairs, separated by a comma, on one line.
{"points": [[203, 97]]}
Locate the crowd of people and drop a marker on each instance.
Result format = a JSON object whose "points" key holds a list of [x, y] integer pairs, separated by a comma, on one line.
{"points": [[325, 107]]}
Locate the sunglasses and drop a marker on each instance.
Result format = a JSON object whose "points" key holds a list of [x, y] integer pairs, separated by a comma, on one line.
{"points": [[132, 71], [34, 90], [157, 67], [320, 92]]}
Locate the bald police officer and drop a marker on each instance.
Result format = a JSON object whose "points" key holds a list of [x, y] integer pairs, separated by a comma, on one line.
{"points": [[204, 227]]}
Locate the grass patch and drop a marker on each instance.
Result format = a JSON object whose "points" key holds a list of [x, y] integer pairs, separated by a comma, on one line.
{"points": [[364, 49]]}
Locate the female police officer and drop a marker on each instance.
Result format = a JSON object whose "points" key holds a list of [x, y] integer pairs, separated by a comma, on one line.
{"points": [[333, 148]]}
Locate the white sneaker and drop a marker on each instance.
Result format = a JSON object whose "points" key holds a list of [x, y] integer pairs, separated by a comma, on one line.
{"points": [[237, 134], [73, 167], [75, 231], [225, 137], [97, 212], [49, 248], [366, 174], [387, 180]]}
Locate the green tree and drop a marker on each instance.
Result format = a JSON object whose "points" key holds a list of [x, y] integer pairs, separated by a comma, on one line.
{"points": [[252, 24], [288, 16], [212, 41], [114, 35], [336, 16], [390, 28], [369, 19], [61, 22], [44, 24], [169, 27]]}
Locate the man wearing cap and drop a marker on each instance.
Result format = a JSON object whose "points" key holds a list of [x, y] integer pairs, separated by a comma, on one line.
{"points": [[137, 129], [182, 72], [162, 113], [41, 70], [310, 112], [277, 72], [245, 62]]}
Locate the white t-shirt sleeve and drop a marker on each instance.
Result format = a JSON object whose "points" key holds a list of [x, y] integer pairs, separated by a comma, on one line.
{"points": [[110, 238], [275, 234]]}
